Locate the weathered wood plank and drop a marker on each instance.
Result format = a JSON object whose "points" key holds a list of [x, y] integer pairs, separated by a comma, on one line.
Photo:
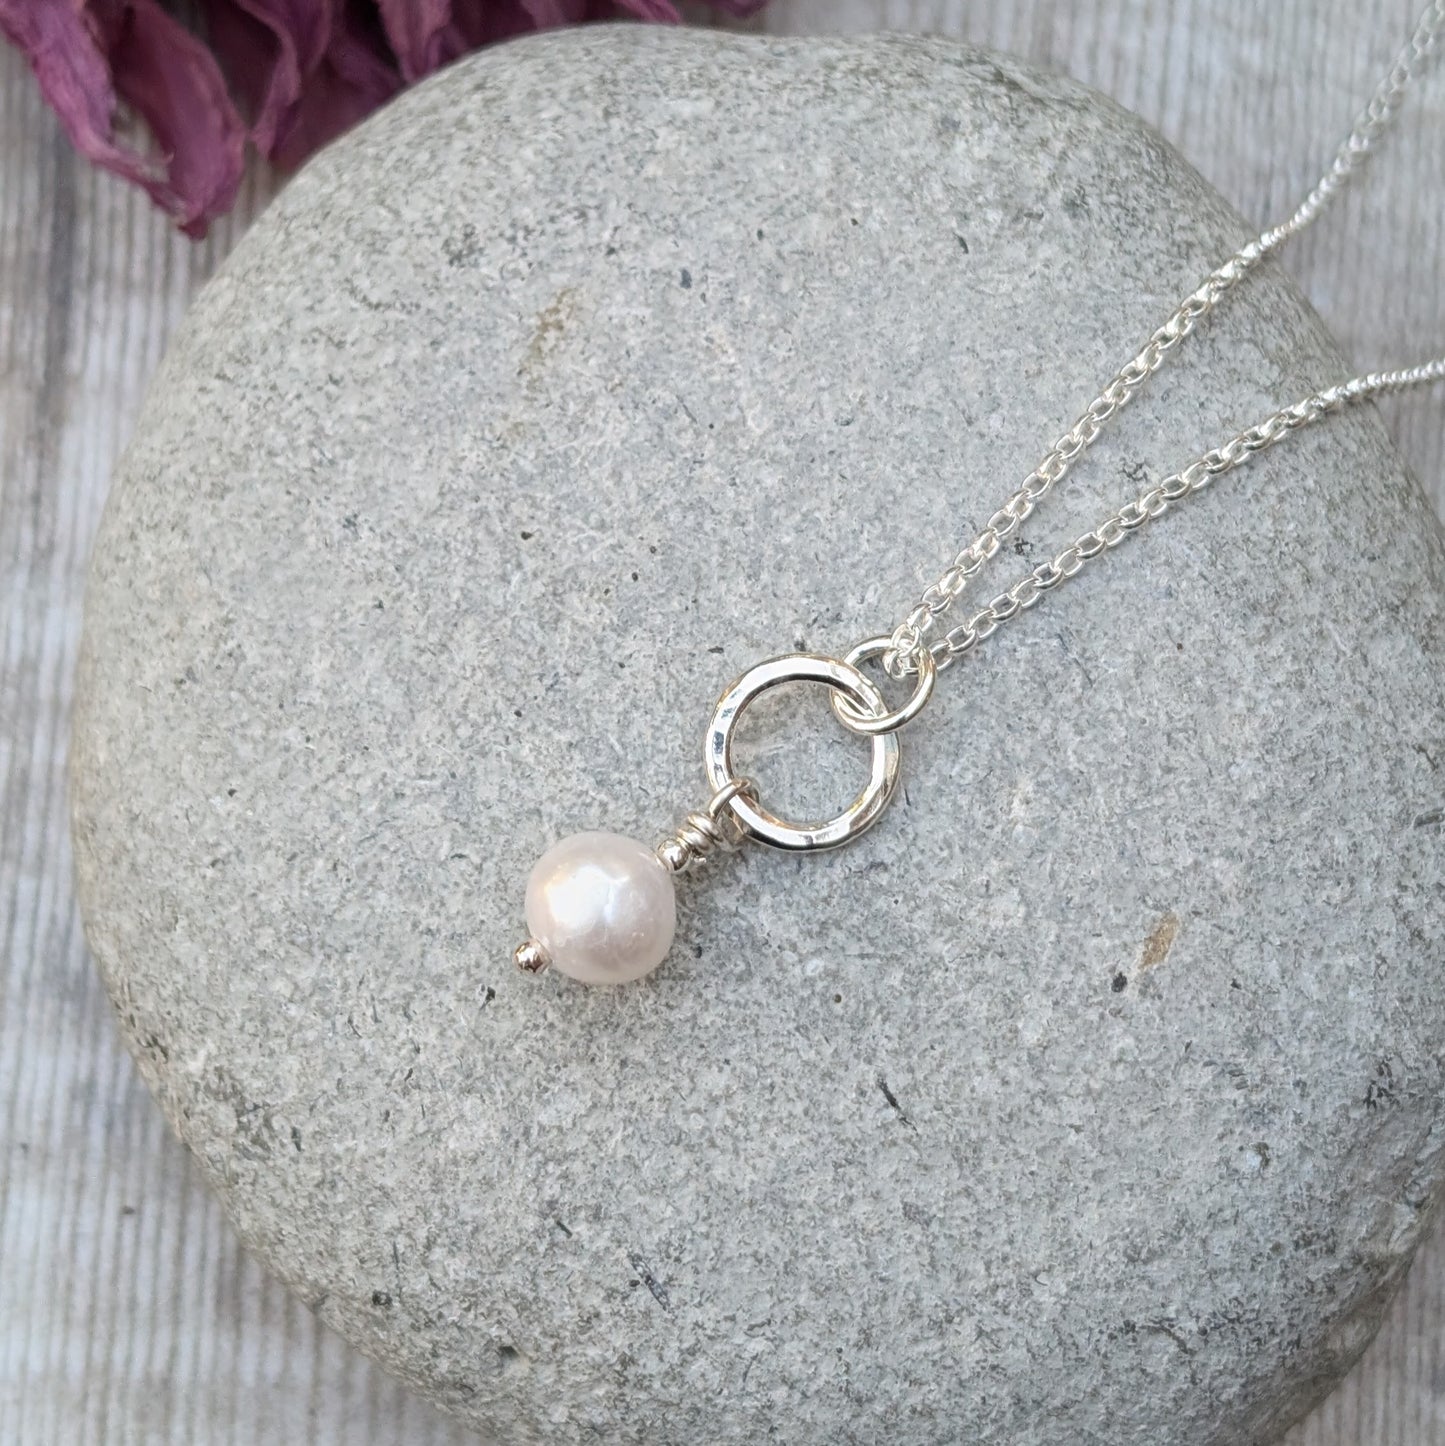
{"points": [[128, 1313]]}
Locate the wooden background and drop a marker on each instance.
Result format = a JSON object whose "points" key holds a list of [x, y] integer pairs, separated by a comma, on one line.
{"points": [[128, 1314]]}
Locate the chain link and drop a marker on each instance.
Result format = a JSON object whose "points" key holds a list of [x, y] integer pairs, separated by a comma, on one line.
{"points": [[917, 631]]}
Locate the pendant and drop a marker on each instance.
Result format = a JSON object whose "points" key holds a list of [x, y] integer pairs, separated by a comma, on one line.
{"points": [[602, 909]]}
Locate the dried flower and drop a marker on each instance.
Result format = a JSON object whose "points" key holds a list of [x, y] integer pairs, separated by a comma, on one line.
{"points": [[285, 75]]}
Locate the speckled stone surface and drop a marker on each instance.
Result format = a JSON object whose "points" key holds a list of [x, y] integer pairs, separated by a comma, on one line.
{"points": [[1094, 1097]]}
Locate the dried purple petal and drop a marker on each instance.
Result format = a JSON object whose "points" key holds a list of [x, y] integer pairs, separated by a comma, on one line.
{"points": [[356, 74], [266, 47], [302, 70], [418, 31], [88, 59]]}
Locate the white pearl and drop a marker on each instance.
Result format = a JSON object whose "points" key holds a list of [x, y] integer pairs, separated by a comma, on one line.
{"points": [[603, 907]]}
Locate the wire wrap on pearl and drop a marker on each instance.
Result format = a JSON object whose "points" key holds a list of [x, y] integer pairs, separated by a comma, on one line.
{"points": [[714, 828]]}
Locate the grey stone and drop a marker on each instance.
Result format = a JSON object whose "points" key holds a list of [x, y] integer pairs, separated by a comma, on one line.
{"points": [[1094, 1097]]}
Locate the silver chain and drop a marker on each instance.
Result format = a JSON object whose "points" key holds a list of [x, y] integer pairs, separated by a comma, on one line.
{"points": [[1158, 499], [918, 631]]}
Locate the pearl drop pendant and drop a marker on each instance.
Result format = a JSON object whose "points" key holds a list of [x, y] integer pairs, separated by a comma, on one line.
{"points": [[601, 909]]}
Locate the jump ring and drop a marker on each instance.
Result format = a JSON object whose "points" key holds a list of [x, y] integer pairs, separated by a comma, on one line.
{"points": [[871, 725], [729, 791], [720, 804]]}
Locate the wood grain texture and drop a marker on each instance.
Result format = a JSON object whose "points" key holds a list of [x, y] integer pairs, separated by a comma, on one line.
{"points": [[128, 1313]]}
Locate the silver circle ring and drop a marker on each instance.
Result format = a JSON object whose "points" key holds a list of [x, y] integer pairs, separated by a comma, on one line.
{"points": [[865, 810], [872, 723]]}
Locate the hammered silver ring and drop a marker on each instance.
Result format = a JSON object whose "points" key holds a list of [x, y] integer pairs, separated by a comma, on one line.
{"points": [[765, 827]]}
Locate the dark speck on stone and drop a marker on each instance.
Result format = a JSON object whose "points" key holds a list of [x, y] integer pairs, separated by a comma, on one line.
{"points": [[1120, 984], [528, 536], [686, 279], [380, 1298]]}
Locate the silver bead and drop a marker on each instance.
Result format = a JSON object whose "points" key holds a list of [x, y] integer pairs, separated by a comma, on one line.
{"points": [[674, 855], [531, 958]]}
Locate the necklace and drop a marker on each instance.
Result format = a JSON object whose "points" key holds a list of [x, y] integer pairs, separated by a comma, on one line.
{"points": [[601, 908]]}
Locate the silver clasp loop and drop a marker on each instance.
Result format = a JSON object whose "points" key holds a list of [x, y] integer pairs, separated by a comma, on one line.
{"points": [[844, 679], [872, 724]]}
